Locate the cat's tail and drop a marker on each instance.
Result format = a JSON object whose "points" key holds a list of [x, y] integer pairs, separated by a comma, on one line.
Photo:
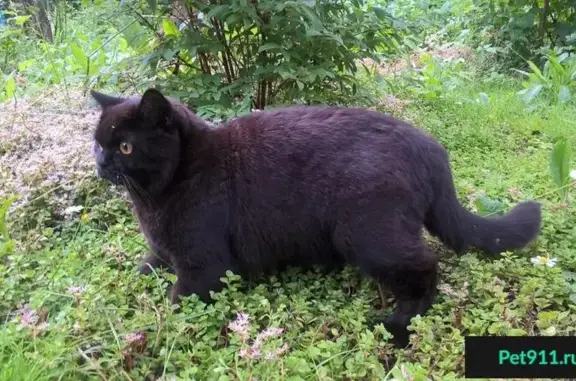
{"points": [[460, 229]]}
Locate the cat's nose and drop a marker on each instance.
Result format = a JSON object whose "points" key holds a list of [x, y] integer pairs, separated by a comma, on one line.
{"points": [[102, 160]]}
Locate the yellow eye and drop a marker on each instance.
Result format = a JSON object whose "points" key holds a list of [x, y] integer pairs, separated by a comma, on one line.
{"points": [[126, 148]]}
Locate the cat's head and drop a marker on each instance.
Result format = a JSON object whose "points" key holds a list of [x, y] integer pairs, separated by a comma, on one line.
{"points": [[136, 142]]}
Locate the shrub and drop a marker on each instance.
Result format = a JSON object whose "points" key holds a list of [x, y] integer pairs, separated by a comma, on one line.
{"points": [[260, 53]]}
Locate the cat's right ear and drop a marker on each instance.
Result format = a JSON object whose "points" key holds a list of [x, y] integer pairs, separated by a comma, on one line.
{"points": [[104, 100]]}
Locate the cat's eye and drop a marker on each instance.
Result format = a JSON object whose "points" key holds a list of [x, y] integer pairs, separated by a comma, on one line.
{"points": [[126, 148]]}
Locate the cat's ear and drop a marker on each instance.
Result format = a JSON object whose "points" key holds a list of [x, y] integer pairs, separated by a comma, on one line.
{"points": [[105, 100], [154, 108]]}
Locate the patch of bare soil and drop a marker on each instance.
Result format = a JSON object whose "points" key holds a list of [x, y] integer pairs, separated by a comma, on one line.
{"points": [[414, 60], [388, 69], [46, 143]]}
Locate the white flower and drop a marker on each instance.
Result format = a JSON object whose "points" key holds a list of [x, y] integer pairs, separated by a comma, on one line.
{"points": [[539, 260], [73, 209], [573, 174]]}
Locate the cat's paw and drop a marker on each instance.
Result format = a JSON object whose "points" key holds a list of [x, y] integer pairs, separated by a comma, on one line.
{"points": [[400, 332]]}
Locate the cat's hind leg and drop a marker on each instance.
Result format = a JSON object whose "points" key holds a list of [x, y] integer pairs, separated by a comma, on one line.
{"points": [[414, 291], [394, 252]]}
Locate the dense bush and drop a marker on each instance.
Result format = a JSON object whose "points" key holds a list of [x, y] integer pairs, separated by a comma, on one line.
{"points": [[218, 55]]}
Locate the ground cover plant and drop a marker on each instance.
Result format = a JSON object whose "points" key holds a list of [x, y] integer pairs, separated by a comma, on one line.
{"points": [[73, 307]]}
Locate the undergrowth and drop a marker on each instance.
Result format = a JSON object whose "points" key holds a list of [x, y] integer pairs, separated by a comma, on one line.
{"points": [[75, 308]]}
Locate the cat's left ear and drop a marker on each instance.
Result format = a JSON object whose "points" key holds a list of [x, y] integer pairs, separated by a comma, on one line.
{"points": [[105, 100], [154, 108]]}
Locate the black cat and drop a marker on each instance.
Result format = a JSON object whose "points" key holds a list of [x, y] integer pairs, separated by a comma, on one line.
{"points": [[294, 186]]}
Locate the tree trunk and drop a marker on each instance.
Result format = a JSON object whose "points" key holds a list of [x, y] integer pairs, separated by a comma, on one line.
{"points": [[39, 11], [542, 24]]}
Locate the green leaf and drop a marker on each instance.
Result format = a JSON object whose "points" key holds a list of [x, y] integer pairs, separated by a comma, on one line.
{"points": [[530, 93], [269, 46], [152, 5], [564, 94], [79, 55], [218, 12], [526, 20], [6, 204], [170, 29], [560, 165], [24, 65], [20, 20], [169, 54], [486, 206], [517, 332], [537, 71], [381, 13], [313, 33], [10, 87]]}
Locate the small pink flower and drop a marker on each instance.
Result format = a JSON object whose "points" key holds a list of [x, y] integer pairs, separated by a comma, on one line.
{"points": [[242, 318], [276, 352], [270, 356], [134, 338], [282, 349], [255, 352], [266, 334], [136, 341], [250, 353], [241, 325], [76, 290], [28, 317], [271, 332]]}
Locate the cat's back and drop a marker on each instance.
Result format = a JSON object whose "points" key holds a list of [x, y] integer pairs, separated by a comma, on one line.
{"points": [[324, 152], [309, 121], [331, 134]]}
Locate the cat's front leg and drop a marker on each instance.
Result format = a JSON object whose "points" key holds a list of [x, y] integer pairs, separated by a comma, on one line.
{"points": [[155, 260], [202, 255], [199, 280]]}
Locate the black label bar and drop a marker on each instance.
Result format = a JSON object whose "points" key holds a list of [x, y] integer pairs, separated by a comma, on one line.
{"points": [[520, 356]]}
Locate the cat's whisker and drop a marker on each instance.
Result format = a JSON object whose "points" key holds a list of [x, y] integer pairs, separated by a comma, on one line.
{"points": [[137, 191], [144, 193]]}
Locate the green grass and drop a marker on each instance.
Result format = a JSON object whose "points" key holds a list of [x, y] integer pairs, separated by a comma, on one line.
{"points": [[121, 326]]}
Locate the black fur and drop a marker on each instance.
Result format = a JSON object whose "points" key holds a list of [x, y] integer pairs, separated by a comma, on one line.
{"points": [[294, 186]]}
